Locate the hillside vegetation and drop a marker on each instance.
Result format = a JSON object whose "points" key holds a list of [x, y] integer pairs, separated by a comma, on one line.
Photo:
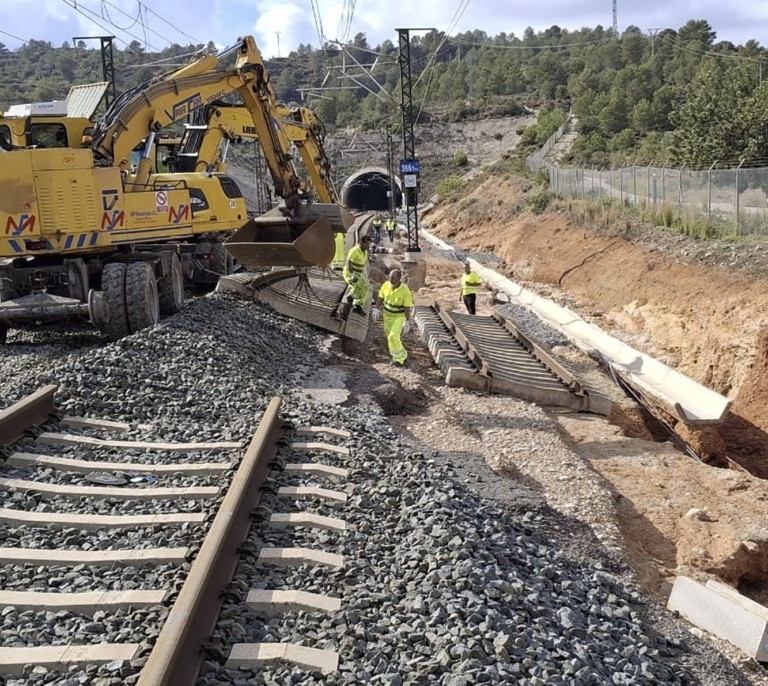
{"points": [[679, 96]]}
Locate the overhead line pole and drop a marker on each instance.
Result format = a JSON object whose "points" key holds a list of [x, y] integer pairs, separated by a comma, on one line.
{"points": [[414, 265], [107, 65], [409, 165]]}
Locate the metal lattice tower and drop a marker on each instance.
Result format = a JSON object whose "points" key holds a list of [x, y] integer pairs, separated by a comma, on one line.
{"points": [[409, 139], [391, 175], [107, 66], [615, 19]]}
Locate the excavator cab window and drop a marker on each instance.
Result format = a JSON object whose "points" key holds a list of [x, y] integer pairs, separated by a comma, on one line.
{"points": [[5, 134], [230, 187], [197, 200], [48, 135]]}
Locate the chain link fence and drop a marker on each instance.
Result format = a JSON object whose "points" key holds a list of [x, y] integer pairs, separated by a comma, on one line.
{"points": [[734, 199]]}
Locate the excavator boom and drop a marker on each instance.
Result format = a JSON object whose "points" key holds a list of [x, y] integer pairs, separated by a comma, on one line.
{"points": [[139, 114]]}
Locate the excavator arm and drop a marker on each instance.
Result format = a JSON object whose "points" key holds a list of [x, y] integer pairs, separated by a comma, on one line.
{"points": [[227, 122], [140, 113]]}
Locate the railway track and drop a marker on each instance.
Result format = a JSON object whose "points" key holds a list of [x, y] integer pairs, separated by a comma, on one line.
{"points": [[491, 354], [175, 590], [312, 295]]}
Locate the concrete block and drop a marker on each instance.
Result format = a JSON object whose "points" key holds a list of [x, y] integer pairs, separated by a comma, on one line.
{"points": [[275, 602], [312, 430], [252, 654], [319, 445], [722, 613], [282, 520], [312, 492], [318, 470], [299, 556], [13, 660]]}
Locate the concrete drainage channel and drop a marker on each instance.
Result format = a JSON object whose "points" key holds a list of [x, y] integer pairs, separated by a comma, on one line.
{"points": [[714, 607]]}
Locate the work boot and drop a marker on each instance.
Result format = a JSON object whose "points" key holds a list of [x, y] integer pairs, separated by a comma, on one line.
{"points": [[358, 309]]}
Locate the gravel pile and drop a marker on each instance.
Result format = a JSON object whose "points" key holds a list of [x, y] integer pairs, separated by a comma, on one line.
{"points": [[440, 585], [443, 587], [205, 374]]}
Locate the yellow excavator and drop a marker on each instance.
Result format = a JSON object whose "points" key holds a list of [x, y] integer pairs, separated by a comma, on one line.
{"points": [[203, 147], [89, 237]]}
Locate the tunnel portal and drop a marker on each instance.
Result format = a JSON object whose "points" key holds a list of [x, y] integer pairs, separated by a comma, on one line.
{"points": [[366, 190]]}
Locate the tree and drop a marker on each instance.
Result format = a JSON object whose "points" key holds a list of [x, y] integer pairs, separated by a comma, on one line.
{"points": [[711, 123]]}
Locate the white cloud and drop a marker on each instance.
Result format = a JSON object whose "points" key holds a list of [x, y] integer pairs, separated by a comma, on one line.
{"points": [[223, 21]]}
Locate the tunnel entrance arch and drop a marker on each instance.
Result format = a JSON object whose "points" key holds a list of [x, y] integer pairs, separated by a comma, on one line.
{"points": [[366, 190]]}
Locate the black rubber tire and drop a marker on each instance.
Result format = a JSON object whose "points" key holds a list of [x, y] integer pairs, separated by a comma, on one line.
{"points": [[113, 285], [142, 302], [170, 290], [222, 263], [6, 288]]}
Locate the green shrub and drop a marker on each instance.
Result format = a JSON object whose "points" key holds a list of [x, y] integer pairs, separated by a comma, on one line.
{"points": [[540, 200], [448, 186], [460, 158]]}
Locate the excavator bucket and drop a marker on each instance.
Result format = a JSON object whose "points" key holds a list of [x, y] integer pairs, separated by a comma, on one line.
{"points": [[272, 240]]}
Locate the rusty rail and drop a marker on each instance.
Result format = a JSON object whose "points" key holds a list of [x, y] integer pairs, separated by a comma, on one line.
{"points": [[31, 411], [177, 655]]}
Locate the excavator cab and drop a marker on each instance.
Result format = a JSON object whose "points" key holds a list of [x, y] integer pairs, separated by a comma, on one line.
{"points": [[306, 239]]}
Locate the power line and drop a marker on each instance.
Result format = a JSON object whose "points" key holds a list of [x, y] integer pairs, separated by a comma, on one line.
{"points": [[5, 33], [89, 15], [165, 21]]}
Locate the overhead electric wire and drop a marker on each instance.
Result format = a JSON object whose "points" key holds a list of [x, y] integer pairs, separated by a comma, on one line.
{"points": [[85, 12], [168, 23], [679, 44], [318, 20], [104, 10], [5, 33], [496, 46]]}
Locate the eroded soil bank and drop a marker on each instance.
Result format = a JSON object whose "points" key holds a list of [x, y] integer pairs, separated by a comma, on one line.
{"points": [[700, 307]]}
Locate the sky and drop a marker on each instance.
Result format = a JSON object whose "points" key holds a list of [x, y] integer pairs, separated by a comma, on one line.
{"points": [[279, 26]]}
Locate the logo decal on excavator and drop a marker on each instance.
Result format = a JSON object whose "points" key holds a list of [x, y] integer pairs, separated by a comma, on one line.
{"points": [[16, 228], [179, 215], [111, 217], [184, 107]]}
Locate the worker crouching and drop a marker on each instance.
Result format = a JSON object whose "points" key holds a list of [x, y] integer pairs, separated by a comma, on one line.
{"points": [[354, 273], [397, 301]]}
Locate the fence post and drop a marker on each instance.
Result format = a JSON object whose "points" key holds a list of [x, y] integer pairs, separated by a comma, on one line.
{"points": [[621, 184], [738, 179], [709, 193], [664, 183], [610, 181], [583, 197], [634, 182], [650, 196], [680, 191]]}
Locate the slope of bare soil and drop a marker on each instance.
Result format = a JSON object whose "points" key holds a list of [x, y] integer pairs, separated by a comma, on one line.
{"points": [[699, 307]]}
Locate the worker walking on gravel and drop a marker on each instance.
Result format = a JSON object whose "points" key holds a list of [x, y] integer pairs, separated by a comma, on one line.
{"points": [[354, 273], [391, 229], [397, 300], [470, 285], [376, 229]]}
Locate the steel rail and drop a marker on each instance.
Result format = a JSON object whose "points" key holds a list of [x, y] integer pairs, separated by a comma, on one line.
{"points": [[541, 354], [177, 655], [31, 411]]}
